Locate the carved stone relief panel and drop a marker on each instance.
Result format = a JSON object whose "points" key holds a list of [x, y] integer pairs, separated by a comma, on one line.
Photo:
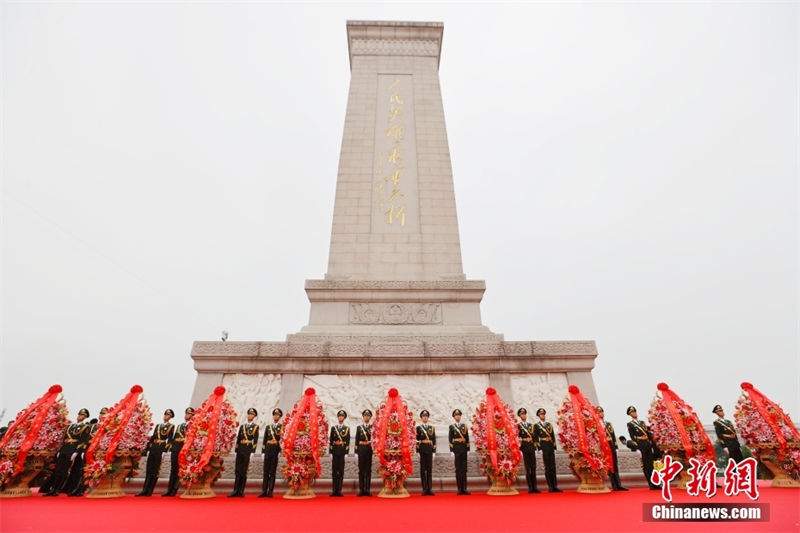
{"points": [[533, 391], [262, 391], [395, 313]]}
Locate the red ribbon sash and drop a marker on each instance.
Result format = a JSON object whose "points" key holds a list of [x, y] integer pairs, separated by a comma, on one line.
{"points": [[579, 402], [759, 400], [673, 401], [126, 407], [41, 408]]}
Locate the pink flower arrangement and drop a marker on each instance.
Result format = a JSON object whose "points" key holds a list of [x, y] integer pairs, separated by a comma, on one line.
{"points": [[569, 423], [37, 430], [764, 425], [676, 428], [393, 469], [196, 461], [302, 454], [504, 426], [123, 432]]}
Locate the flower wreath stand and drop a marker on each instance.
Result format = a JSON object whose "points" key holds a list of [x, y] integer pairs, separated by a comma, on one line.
{"points": [[496, 439], [305, 432], [210, 435], [583, 437], [35, 462], [393, 435], [201, 487], [678, 432], [770, 434], [116, 446], [31, 442]]}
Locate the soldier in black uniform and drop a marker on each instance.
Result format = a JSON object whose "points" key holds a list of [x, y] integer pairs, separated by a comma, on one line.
{"points": [[545, 437], [616, 484], [458, 438], [726, 434], [246, 443], [175, 447], [339, 445], [158, 444], [271, 448], [75, 441], [527, 446], [363, 448], [80, 483], [642, 440], [426, 447]]}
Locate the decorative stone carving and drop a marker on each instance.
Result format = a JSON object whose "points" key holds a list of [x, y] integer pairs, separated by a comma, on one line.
{"points": [[225, 348], [564, 348], [395, 313], [323, 284], [356, 393], [539, 390], [394, 47], [262, 391]]}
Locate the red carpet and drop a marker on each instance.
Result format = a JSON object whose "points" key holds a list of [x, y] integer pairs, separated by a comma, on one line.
{"points": [[568, 511]]}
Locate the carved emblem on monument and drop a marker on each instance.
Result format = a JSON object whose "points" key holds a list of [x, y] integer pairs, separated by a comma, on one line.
{"points": [[395, 313]]}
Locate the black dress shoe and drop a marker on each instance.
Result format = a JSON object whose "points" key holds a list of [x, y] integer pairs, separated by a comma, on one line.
{"points": [[167, 494], [621, 488], [535, 491], [556, 490], [50, 494], [262, 495], [141, 494]]}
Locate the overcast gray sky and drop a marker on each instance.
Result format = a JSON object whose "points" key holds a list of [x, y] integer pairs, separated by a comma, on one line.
{"points": [[623, 172]]}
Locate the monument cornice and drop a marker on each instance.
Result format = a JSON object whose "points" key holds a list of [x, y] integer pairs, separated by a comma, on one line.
{"points": [[395, 291], [388, 38], [331, 357]]}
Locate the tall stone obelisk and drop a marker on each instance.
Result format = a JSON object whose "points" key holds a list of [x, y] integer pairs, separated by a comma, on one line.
{"points": [[394, 308]]}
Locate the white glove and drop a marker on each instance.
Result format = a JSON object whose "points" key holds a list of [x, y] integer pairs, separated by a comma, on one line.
{"points": [[433, 456], [73, 456], [452, 454], [252, 455]]}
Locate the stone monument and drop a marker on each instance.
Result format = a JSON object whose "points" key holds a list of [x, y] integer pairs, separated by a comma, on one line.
{"points": [[395, 308]]}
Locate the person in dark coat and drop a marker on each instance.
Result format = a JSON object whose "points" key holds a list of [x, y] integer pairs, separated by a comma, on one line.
{"points": [[616, 484], [159, 443], [545, 437], [642, 440], [339, 445], [246, 443], [726, 434], [426, 448], [458, 438], [175, 449], [75, 441], [271, 448], [363, 449], [527, 446]]}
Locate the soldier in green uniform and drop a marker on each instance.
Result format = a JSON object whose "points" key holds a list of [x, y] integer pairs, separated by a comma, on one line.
{"points": [[642, 440], [458, 438], [271, 448], [616, 484], [339, 445], [545, 437], [527, 446], [426, 447], [726, 434], [363, 449], [158, 444], [175, 447], [246, 443], [75, 440]]}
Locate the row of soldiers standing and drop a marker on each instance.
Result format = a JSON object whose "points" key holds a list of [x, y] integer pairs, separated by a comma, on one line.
{"points": [[67, 476]]}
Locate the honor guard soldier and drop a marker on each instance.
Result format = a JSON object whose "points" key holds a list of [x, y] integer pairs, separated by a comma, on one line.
{"points": [[528, 448], [79, 482], [363, 449], [726, 434], [158, 444], [271, 448], [642, 440], [616, 484], [426, 447], [545, 438], [246, 443], [339, 445], [76, 440], [458, 438], [175, 449]]}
